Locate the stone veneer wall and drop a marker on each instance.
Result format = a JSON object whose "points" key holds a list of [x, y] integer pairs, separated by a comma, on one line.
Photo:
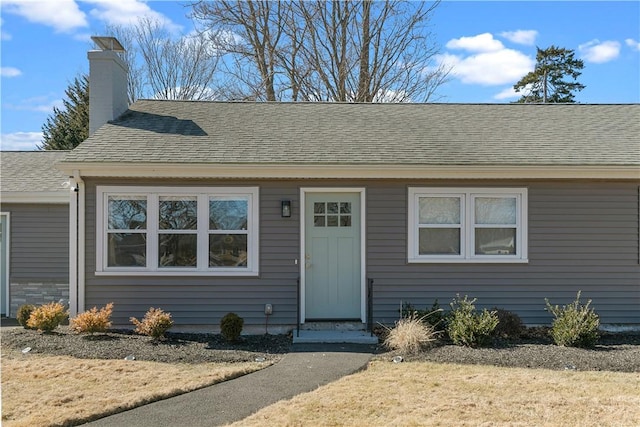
{"points": [[36, 294]]}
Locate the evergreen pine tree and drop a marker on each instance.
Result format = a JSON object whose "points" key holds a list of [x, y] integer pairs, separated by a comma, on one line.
{"points": [[546, 84], [69, 126]]}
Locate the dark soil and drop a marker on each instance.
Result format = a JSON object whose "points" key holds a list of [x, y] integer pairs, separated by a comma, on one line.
{"points": [[535, 349], [118, 344], [614, 352]]}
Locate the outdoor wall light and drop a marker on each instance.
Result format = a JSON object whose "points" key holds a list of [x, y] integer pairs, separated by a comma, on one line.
{"points": [[286, 208]]}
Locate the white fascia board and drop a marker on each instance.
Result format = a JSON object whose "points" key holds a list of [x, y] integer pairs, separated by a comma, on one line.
{"points": [[286, 171], [45, 197]]}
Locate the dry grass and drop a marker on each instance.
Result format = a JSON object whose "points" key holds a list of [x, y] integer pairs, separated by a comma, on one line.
{"points": [[410, 335], [420, 393], [57, 390]]}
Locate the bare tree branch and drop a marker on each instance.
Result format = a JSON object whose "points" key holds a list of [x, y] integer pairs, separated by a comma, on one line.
{"points": [[348, 51]]}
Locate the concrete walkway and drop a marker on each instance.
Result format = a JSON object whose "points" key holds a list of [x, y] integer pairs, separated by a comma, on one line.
{"points": [[304, 369]]}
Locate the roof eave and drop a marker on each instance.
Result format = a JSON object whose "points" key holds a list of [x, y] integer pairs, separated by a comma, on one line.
{"points": [[36, 197], [320, 171]]}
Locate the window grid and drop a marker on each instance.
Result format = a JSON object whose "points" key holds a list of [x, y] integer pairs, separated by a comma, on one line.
{"points": [[469, 225], [195, 223]]}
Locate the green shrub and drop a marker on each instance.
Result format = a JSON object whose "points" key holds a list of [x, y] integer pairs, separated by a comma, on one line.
{"points": [[509, 324], [574, 325], [466, 326], [410, 334], [92, 321], [154, 324], [434, 316], [24, 312], [47, 317], [231, 327]]}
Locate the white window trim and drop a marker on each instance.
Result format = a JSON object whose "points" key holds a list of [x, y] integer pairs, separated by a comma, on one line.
{"points": [[467, 234], [152, 194]]}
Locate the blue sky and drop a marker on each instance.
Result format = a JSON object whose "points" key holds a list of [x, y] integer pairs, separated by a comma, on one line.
{"points": [[490, 45]]}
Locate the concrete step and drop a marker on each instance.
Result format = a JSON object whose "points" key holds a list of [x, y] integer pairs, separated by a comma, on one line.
{"points": [[334, 336]]}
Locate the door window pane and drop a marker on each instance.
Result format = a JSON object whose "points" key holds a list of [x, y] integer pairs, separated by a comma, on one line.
{"points": [[495, 210], [227, 250], [345, 221], [439, 241], [495, 241], [439, 210], [332, 214]]}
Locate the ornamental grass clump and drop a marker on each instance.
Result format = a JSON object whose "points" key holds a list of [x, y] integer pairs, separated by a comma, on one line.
{"points": [[465, 326], [410, 334], [92, 321], [574, 325], [47, 317], [154, 324]]}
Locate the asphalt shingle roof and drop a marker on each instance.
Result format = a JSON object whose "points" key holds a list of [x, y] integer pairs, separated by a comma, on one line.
{"points": [[32, 171], [196, 132]]}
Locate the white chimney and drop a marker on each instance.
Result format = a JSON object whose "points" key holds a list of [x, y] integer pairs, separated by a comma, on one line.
{"points": [[107, 82]]}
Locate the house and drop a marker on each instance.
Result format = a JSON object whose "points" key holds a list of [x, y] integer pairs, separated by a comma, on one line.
{"points": [[337, 212], [34, 235]]}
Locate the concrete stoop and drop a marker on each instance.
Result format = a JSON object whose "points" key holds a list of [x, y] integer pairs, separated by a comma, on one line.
{"points": [[334, 336]]}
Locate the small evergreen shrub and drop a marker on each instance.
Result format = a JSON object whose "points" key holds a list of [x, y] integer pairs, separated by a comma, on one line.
{"points": [[24, 312], [231, 327], [92, 321], [47, 317], [434, 316], [155, 323], [574, 325], [410, 334], [509, 324], [465, 326]]}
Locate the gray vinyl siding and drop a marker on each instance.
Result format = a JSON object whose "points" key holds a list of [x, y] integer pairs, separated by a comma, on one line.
{"points": [[39, 239], [202, 301], [582, 236]]}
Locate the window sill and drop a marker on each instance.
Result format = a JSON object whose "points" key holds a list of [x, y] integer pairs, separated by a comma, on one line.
{"points": [[445, 260], [176, 273]]}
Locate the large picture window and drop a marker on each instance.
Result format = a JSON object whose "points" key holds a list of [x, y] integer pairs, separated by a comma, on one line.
{"points": [[467, 225], [166, 230]]}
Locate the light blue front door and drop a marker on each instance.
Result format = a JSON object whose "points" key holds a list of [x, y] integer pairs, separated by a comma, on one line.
{"points": [[332, 256], [4, 246]]}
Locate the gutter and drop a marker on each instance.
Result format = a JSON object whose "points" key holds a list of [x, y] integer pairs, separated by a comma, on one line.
{"points": [[351, 171], [76, 245]]}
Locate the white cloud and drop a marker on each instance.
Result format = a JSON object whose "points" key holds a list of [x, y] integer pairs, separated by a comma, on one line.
{"points": [[41, 104], [9, 72], [599, 52], [4, 35], [20, 141], [525, 37], [633, 44], [62, 15], [480, 43], [128, 12], [490, 68], [508, 93]]}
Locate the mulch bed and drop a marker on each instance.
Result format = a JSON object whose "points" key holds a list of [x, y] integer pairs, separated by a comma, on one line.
{"points": [[614, 351]]}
